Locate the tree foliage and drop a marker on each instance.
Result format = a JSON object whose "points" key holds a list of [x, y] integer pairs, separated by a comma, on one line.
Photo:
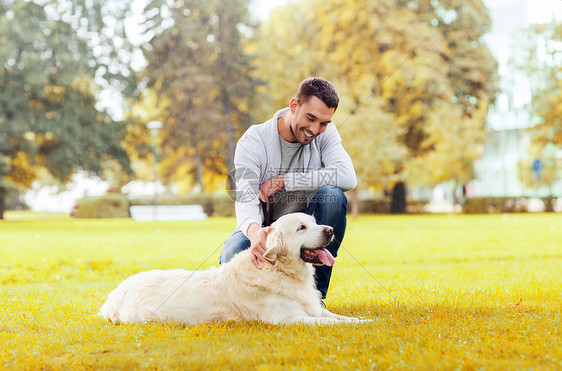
{"points": [[545, 70], [48, 86], [197, 80], [416, 76], [543, 66]]}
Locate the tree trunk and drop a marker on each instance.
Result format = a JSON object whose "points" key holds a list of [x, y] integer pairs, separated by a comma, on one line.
{"points": [[230, 135], [225, 96], [192, 139], [398, 205], [355, 203], [2, 202], [3, 174], [199, 168]]}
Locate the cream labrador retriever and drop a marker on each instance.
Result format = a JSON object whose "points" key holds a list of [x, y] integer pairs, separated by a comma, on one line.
{"points": [[281, 293]]}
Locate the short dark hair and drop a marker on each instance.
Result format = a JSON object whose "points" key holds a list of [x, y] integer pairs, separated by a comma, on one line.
{"points": [[318, 87]]}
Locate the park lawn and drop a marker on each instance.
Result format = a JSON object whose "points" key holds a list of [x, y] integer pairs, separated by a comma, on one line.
{"points": [[443, 291]]}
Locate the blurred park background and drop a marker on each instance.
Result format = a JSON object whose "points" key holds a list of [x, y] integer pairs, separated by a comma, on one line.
{"points": [[447, 105]]}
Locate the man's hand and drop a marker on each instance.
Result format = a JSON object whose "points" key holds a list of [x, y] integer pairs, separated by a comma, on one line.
{"points": [[258, 237], [271, 187]]}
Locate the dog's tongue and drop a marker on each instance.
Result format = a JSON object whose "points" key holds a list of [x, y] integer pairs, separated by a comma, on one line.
{"points": [[325, 257]]}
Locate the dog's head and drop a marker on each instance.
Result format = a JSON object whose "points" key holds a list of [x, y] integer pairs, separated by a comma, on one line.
{"points": [[298, 236]]}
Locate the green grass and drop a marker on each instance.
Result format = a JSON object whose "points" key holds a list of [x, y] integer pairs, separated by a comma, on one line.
{"points": [[444, 292]]}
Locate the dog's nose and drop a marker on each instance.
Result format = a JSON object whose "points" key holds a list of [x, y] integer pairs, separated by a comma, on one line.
{"points": [[329, 230]]}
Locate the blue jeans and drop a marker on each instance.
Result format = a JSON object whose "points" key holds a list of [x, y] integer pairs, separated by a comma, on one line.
{"points": [[329, 207]]}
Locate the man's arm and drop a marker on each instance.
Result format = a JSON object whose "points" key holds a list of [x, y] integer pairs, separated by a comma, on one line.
{"points": [[271, 187], [258, 238], [247, 176], [337, 171], [249, 214]]}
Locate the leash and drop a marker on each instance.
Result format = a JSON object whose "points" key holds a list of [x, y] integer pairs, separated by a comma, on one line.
{"points": [[267, 208]]}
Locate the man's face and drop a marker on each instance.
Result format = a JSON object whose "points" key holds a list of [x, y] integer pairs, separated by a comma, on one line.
{"points": [[309, 119]]}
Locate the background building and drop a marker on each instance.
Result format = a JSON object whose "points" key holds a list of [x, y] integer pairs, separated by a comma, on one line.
{"points": [[506, 149]]}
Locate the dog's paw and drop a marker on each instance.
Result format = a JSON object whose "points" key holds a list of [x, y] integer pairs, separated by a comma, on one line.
{"points": [[359, 320]]}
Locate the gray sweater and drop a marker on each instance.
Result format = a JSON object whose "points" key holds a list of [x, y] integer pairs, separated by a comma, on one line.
{"points": [[258, 159]]}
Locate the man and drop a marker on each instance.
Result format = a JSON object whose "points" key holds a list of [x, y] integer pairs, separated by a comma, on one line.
{"points": [[294, 162]]}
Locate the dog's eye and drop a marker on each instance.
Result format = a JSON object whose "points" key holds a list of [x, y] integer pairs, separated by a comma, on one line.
{"points": [[302, 227]]}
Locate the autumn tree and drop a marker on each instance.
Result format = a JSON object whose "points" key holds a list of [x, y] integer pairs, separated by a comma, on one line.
{"points": [[199, 76], [49, 123], [416, 76], [544, 68]]}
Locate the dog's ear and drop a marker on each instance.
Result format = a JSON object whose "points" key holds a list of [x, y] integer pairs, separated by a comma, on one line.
{"points": [[274, 245]]}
